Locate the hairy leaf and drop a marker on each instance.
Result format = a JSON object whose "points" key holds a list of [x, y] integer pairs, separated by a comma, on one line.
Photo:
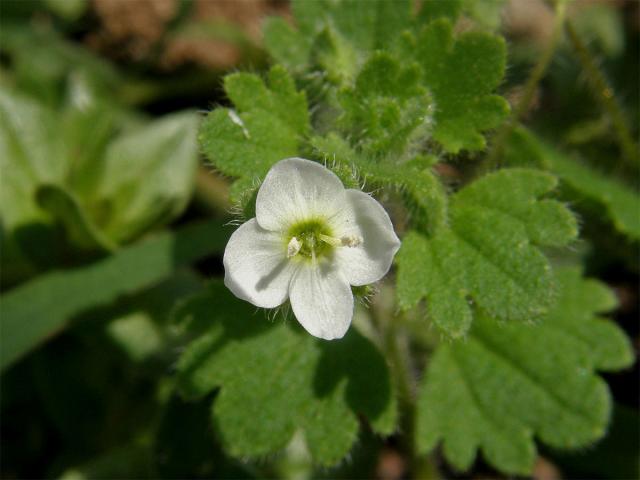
{"points": [[267, 126], [621, 202], [285, 44], [364, 26], [275, 379], [424, 193], [508, 382], [461, 74], [386, 107], [487, 253]]}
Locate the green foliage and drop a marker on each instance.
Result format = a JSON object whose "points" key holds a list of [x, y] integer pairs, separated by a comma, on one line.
{"points": [[620, 201], [38, 309], [422, 190], [397, 97], [267, 126], [386, 107], [275, 379], [52, 70], [77, 170], [487, 252], [461, 73], [511, 381], [68, 9], [344, 40], [185, 445], [164, 152]]}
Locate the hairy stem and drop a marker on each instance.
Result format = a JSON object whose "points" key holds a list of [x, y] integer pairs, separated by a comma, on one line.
{"points": [[536, 75], [603, 94]]}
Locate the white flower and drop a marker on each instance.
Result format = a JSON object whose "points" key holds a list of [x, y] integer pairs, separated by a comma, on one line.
{"points": [[310, 241]]}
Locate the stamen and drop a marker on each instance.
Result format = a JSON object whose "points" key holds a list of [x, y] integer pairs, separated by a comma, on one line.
{"points": [[351, 241], [345, 241], [293, 248], [335, 242]]}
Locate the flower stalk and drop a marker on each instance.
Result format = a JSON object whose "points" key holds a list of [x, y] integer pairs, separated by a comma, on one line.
{"points": [[603, 93]]}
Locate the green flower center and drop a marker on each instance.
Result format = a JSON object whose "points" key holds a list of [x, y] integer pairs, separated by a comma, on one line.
{"points": [[309, 238]]}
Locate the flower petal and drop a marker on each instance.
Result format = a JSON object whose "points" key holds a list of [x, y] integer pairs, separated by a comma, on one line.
{"points": [[256, 268], [322, 300], [295, 190], [365, 218]]}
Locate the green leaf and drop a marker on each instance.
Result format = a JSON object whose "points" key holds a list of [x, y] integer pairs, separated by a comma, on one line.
{"points": [[132, 460], [461, 74], [267, 126], [185, 447], [249, 93], [488, 252], [247, 145], [69, 10], [164, 154], [367, 26], [423, 192], [386, 107], [285, 44], [38, 309], [510, 382], [620, 202], [276, 379], [46, 66], [487, 14], [336, 36], [55, 166], [31, 152], [65, 207], [139, 324], [434, 9]]}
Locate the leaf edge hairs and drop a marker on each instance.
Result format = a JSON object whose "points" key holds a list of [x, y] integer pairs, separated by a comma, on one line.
{"points": [[310, 241]]}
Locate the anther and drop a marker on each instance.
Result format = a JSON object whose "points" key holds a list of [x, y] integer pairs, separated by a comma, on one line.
{"points": [[351, 240], [293, 248]]}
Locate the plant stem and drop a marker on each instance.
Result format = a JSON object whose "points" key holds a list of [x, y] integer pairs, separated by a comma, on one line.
{"points": [[537, 73], [212, 192], [395, 343], [603, 94]]}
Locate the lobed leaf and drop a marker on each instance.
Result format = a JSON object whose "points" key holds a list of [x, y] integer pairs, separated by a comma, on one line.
{"points": [[461, 74], [386, 108], [508, 382], [275, 379], [364, 26], [267, 127], [620, 201], [487, 254], [423, 191], [248, 92]]}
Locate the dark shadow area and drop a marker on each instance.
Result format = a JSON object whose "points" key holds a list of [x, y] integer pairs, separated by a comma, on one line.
{"points": [[357, 360]]}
